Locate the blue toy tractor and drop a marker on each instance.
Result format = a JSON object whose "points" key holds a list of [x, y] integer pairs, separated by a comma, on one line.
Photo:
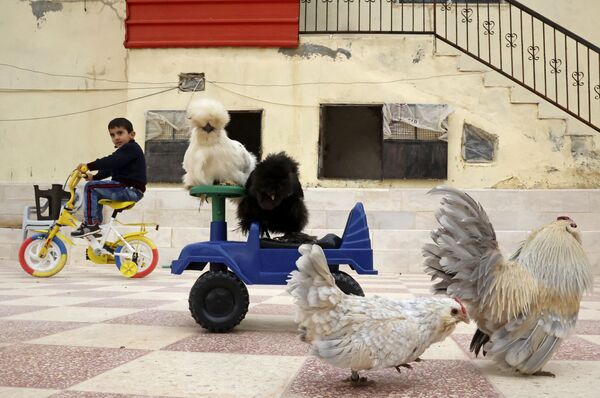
{"points": [[219, 298]]}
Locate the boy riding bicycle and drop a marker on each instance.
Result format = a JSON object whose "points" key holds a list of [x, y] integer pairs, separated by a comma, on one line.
{"points": [[127, 169]]}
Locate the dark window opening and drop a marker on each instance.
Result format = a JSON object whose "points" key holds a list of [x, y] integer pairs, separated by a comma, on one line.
{"points": [[245, 127], [167, 139], [352, 146], [350, 141]]}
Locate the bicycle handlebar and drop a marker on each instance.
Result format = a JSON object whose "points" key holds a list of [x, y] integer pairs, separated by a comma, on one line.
{"points": [[74, 178]]}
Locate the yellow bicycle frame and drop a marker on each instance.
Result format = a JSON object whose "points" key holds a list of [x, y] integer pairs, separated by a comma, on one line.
{"points": [[66, 217]]}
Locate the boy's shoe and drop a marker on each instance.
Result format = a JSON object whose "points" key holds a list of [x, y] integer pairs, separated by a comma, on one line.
{"points": [[85, 230]]}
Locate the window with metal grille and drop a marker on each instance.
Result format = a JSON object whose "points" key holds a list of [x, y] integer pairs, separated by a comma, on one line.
{"points": [[352, 145], [403, 131]]}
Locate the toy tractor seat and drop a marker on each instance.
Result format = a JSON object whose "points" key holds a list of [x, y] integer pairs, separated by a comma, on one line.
{"points": [[218, 193], [329, 241]]}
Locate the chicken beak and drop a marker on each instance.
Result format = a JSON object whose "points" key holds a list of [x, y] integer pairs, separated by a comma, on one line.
{"points": [[208, 128], [464, 318]]}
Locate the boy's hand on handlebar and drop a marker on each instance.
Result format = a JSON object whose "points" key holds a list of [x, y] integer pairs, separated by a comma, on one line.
{"points": [[88, 176]]}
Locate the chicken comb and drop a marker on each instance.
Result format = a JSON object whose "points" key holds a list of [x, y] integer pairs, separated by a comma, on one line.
{"points": [[462, 307]]}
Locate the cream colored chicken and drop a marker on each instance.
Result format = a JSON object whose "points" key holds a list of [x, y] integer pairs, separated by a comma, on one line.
{"points": [[362, 333], [525, 306]]}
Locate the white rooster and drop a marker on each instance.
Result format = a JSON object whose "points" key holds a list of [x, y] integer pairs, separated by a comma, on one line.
{"points": [[524, 306], [363, 333]]}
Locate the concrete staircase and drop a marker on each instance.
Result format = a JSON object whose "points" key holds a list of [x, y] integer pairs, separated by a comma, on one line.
{"points": [[517, 94], [399, 219]]}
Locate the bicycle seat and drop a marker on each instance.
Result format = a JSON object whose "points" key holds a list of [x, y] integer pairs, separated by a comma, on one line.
{"points": [[117, 205]]}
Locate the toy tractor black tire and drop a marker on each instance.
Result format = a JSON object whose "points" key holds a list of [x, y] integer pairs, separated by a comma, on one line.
{"points": [[347, 284], [219, 301]]}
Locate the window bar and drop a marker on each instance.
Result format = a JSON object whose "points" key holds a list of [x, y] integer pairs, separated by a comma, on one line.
{"points": [[358, 14], [391, 15], [467, 22], [589, 86], [566, 70], [555, 71], [456, 23], [544, 49], [435, 21], [402, 16], [500, 33], [522, 48], [327, 14], [489, 35], [478, 34], [446, 22], [512, 66], [533, 51], [348, 14], [337, 15], [413, 17], [598, 81], [380, 16], [423, 10], [577, 73], [305, 14], [316, 16], [370, 4]]}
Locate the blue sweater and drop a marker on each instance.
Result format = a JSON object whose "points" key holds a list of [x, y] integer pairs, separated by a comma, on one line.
{"points": [[126, 165]]}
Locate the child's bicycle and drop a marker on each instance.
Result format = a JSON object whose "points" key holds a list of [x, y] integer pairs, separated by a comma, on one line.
{"points": [[45, 254]]}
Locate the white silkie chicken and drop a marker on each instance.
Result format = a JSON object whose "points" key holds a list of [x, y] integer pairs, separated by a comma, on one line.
{"points": [[364, 333], [211, 155]]}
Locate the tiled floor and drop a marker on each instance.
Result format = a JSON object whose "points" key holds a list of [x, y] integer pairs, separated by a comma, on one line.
{"points": [[88, 332]]}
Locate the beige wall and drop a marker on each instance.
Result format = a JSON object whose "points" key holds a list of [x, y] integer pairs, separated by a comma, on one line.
{"points": [[60, 38], [579, 16], [70, 40]]}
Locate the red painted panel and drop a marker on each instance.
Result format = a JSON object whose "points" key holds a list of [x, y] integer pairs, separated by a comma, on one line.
{"points": [[211, 23]]}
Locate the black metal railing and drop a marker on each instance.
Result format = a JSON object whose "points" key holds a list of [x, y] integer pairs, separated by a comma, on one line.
{"points": [[506, 36], [365, 16]]}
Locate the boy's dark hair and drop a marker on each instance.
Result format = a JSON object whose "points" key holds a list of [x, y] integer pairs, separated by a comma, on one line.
{"points": [[121, 122]]}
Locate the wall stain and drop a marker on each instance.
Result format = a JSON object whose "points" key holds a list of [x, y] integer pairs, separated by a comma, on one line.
{"points": [[41, 7], [418, 56], [557, 141], [309, 50]]}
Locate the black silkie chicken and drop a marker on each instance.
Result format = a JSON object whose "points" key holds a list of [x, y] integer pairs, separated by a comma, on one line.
{"points": [[274, 198]]}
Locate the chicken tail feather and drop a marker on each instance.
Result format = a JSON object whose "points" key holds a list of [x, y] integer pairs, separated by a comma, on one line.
{"points": [[478, 341], [312, 285]]}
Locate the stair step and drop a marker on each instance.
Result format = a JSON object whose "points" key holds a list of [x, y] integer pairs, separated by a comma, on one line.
{"points": [[495, 79], [468, 64], [520, 95], [445, 50], [547, 110]]}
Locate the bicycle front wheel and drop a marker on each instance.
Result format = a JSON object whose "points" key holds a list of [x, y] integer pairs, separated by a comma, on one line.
{"points": [[139, 260], [51, 264]]}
